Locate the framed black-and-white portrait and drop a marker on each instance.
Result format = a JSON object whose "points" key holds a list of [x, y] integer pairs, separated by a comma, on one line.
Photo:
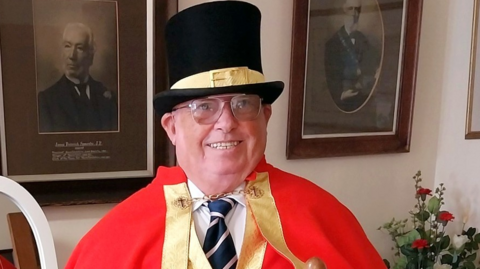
{"points": [[77, 80], [77, 67], [352, 77]]}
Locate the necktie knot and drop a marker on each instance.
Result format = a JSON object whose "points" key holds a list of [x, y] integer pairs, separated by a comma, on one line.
{"points": [[221, 207], [82, 88]]}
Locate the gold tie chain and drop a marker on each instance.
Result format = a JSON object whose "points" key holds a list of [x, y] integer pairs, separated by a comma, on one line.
{"points": [[185, 202]]}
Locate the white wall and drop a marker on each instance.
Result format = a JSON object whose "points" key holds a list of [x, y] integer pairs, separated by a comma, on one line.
{"points": [[379, 187], [457, 159]]}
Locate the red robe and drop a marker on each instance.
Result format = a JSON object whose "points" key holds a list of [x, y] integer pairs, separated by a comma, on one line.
{"points": [[314, 223], [5, 264]]}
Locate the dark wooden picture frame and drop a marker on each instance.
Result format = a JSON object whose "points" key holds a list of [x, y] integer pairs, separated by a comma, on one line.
{"points": [[472, 128], [91, 190], [332, 145]]}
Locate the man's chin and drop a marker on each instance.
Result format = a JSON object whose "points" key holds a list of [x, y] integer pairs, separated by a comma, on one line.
{"points": [[72, 74]]}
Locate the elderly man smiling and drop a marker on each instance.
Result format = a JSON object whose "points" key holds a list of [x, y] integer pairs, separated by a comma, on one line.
{"points": [[223, 206]]}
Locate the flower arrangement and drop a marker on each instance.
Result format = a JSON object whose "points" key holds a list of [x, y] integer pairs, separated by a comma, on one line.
{"points": [[421, 242]]}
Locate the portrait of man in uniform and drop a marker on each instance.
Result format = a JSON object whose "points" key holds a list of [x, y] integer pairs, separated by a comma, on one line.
{"points": [[351, 62]]}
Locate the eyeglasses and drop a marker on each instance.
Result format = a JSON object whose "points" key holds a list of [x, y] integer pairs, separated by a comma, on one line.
{"points": [[244, 107]]}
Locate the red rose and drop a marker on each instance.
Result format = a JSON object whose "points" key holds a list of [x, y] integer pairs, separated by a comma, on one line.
{"points": [[420, 244], [445, 216], [424, 191]]}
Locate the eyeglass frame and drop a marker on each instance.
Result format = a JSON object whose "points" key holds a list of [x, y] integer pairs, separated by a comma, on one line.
{"points": [[222, 106]]}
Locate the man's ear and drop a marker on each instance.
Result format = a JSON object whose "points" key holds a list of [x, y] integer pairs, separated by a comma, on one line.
{"points": [[267, 112], [168, 124]]}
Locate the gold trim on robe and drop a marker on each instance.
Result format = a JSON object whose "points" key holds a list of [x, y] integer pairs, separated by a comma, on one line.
{"points": [[266, 215], [177, 226], [196, 256], [182, 248]]}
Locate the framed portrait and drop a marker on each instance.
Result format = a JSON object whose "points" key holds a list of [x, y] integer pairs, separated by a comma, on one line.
{"points": [[352, 77], [473, 106], [77, 80]]}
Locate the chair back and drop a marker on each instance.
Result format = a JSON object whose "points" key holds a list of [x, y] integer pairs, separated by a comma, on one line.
{"points": [[35, 217]]}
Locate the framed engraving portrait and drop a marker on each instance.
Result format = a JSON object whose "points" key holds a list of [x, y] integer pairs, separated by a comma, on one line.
{"points": [[77, 80], [352, 77]]}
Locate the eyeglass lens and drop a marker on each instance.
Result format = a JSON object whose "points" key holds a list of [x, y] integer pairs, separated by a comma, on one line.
{"points": [[243, 107]]}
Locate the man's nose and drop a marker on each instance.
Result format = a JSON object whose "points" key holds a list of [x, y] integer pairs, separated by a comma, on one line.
{"points": [[72, 53], [227, 121]]}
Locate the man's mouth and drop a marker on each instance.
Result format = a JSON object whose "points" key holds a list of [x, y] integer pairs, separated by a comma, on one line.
{"points": [[224, 145]]}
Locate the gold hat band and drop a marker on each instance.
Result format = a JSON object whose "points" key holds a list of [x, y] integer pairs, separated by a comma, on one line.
{"points": [[220, 78]]}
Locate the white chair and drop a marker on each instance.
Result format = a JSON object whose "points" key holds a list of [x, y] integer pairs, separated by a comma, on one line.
{"points": [[35, 217]]}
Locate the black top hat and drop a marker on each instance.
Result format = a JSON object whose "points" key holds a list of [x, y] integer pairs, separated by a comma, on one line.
{"points": [[214, 48]]}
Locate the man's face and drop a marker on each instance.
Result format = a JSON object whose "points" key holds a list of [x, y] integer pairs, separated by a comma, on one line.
{"points": [[76, 53], [352, 9], [225, 147]]}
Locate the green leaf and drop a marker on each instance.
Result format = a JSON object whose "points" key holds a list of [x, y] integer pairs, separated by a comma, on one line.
{"points": [[471, 232], [471, 258], [407, 238], [469, 265], [401, 263], [422, 215], [408, 251], [468, 246], [447, 259], [433, 205], [429, 264], [444, 242], [411, 266], [476, 238]]}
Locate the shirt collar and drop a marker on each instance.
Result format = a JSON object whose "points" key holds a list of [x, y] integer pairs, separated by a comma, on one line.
{"points": [[76, 80], [195, 192]]}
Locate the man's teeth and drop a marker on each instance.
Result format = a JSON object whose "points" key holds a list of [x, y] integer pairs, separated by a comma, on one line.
{"points": [[224, 145]]}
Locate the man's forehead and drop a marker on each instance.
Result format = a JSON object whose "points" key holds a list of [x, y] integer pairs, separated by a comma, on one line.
{"points": [[75, 33], [353, 3]]}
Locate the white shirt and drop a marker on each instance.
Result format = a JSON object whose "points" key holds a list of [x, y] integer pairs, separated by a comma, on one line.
{"points": [[235, 219], [76, 81]]}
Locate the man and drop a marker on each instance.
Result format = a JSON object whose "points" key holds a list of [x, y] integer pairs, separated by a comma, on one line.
{"points": [[77, 102], [224, 206], [351, 63]]}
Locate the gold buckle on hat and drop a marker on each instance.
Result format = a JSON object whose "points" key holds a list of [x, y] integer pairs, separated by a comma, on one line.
{"points": [[229, 76]]}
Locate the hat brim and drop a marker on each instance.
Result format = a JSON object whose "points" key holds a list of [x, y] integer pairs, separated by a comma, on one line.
{"points": [[164, 102]]}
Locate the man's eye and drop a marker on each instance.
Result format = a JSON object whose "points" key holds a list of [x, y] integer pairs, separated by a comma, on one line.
{"points": [[204, 106], [242, 104]]}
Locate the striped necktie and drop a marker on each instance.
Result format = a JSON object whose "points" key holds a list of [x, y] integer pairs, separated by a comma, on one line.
{"points": [[219, 248]]}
